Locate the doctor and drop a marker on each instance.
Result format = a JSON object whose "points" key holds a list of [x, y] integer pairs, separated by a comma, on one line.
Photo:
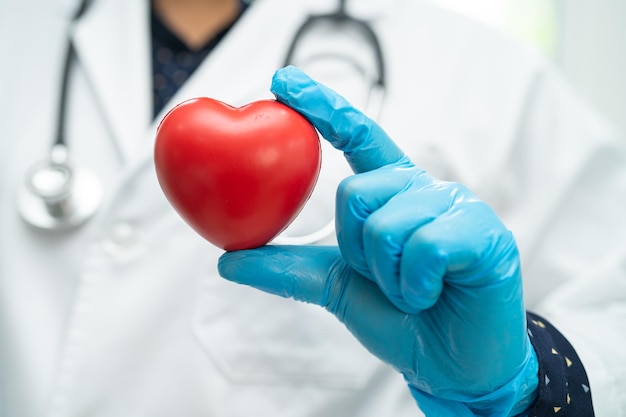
{"points": [[127, 315]]}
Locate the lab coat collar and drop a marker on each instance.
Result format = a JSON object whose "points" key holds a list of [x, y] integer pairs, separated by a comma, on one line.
{"points": [[230, 73], [113, 48], [112, 41]]}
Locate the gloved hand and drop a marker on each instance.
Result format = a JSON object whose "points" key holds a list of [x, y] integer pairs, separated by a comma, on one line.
{"points": [[426, 276]]}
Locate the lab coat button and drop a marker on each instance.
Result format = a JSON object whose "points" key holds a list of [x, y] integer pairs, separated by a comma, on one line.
{"points": [[121, 240]]}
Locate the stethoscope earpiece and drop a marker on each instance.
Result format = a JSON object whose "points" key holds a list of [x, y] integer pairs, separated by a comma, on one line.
{"points": [[56, 195]]}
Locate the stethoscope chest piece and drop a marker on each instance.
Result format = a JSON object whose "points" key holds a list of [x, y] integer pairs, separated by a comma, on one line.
{"points": [[56, 195]]}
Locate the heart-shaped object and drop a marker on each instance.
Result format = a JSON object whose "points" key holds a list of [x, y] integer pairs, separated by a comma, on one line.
{"points": [[237, 176]]}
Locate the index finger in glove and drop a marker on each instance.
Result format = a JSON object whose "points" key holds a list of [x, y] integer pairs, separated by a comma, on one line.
{"points": [[365, 144]]}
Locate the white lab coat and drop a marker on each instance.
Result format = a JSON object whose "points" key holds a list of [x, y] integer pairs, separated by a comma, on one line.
{"points": [[127, 316]]}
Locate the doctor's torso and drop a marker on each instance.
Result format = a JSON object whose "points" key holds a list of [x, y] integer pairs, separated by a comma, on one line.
{"points": [[127, 316]]}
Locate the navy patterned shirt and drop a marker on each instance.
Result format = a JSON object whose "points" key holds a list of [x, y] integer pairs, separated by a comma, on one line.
{"points": [[173, 62], [563, 384]]}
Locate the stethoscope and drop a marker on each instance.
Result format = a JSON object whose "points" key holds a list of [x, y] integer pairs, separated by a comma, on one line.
{"points": [[57, 195]]}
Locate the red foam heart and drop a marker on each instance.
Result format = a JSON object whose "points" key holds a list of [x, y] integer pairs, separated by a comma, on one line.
{"points": [[237, 176]]}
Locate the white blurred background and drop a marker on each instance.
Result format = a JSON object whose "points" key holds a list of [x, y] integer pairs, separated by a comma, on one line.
{"points": [[585, 38]]}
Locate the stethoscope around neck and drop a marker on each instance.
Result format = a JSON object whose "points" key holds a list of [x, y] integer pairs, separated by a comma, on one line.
{"points": [[56, 194]]}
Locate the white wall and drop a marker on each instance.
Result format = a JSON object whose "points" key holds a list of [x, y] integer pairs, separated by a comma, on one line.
{"points": [[586, 38], [591, 49]]}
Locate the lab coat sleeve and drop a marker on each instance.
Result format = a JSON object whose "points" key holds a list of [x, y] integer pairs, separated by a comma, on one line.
{"points": [[573, 237], [563, 383], [590, 311]]}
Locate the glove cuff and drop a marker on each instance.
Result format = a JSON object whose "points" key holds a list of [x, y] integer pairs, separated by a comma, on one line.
{"points": [[553, 382], [513, 398]]}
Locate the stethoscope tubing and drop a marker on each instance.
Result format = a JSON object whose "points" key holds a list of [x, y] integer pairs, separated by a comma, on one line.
{"points": [[78, 195]]}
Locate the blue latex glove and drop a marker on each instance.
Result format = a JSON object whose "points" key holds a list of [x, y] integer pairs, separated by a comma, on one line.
{"points": [[426, 277]]}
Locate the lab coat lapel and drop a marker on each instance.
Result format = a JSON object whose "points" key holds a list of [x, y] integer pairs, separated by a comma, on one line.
{"points": [[230, 73], [113, 49], [113, 46]]}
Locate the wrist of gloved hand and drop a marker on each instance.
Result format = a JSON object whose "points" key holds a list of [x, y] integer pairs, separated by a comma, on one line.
{"points": [[511, 399]]}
